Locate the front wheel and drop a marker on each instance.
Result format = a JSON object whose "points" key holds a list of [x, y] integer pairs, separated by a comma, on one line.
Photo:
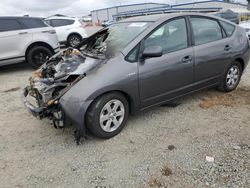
{"points": [[108, 115], [232, 77]]}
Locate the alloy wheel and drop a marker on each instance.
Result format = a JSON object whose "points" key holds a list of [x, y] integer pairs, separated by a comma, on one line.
{"points": [[233, 76], [74, 41], [112, 115]]}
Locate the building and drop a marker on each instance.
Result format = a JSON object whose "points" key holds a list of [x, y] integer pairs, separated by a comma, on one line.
{"points": [[109, 13], [121, 12]]}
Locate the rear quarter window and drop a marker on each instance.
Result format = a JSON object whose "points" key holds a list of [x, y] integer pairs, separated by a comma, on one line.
{"points": [[9, 25], [61, 22], [229, 28]]}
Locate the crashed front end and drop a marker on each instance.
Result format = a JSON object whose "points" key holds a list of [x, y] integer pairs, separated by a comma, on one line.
{"points": [[49, 83]]}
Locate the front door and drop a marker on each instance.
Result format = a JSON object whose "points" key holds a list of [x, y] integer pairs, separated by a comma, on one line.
{"points": [[166, 77]]}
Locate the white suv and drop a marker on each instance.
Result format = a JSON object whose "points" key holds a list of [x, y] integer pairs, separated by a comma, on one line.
{"points": [[25, 38], [70, 31]]}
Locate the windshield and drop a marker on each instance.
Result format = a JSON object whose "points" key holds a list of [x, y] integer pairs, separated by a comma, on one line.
{"points": [[114, 38]]}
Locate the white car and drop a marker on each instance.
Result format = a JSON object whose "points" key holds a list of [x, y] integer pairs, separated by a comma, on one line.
{"points": [[26, 38], [70, 31], [246, 26]]}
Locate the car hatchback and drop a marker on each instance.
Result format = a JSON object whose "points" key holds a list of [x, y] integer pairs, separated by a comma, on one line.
{"points": [[134, 65]]}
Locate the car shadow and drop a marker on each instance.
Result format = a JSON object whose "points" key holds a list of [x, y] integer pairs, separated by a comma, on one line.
{"points": [[16, 67]]}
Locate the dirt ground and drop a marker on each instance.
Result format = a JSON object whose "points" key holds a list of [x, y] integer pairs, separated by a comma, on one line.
{"points": [[163, 147]]}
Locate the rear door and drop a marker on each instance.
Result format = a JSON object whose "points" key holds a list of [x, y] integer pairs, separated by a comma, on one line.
{"points": [[13, 37], [212, 49], [166, 77], [62, 27]]}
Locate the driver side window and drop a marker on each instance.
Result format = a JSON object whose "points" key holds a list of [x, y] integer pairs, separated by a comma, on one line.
{"points": [[171, 36]]}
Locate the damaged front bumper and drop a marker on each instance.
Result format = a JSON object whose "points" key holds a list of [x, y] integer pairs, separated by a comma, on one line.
{"points": [[35, 111], [51, 111]]}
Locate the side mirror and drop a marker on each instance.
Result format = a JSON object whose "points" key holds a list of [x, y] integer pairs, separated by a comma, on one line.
{"points": [[152, 51]]}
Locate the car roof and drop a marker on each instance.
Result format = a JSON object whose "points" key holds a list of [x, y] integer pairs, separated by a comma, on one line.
{"points": [[60, 17], [18, 17], [158, 17]]}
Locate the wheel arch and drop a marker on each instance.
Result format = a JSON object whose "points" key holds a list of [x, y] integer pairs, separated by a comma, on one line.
{"points": [[73, 33], [131, 102], [241, 61]]}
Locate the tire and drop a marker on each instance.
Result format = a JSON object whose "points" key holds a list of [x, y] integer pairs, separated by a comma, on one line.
{"points": [[38, 55], [74, 40], [111, 124], [231, 77]]}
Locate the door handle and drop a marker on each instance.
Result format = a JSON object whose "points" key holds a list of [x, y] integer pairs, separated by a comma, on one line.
{"points": [[23, 33], [227, 48], [187, 59]]}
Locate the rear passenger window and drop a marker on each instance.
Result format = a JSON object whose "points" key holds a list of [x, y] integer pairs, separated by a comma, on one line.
{"points": [[229, 28], [30, 23], [172, 36], [61, 22], [206, 30], [9, 25]]}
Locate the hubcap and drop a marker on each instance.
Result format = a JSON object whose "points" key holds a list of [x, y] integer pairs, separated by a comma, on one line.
{"points": [[74, 41], [40, 57], [233, 76], [112, 115]]}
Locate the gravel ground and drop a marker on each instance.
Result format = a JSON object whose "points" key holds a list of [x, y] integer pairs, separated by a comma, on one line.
{"points": [[163, 147]]}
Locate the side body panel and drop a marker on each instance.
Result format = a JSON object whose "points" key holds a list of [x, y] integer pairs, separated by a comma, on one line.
{"points": [[160, 78]]}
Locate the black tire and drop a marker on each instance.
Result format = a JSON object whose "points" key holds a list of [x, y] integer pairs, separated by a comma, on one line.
{"points": [[94, 115], [225, 87], [74, 40], [38, 55]]}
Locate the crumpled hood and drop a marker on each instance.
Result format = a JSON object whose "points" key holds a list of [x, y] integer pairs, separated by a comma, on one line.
{"points": [[59, 74], [66, 63]]}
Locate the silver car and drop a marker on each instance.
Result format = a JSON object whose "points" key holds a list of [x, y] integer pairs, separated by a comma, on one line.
{"points": [[136, 64], [26, 38]]}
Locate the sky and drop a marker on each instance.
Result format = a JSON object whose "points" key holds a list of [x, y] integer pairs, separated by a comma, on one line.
{"points": [[45, 8]]}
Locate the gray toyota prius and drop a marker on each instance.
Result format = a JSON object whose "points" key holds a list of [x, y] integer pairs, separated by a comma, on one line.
{"points": [[134, 65]]}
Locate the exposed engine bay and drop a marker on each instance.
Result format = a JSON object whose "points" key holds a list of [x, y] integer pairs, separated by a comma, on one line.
{"points": [[53, 80]]}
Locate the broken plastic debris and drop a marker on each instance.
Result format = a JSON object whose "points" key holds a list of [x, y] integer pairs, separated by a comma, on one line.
{"points": [[209, 159], [237, 148]]}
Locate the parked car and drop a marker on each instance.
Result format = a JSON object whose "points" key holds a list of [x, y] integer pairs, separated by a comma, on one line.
{"points": [[228, 15], [107, 23], [246, 26], [26, 38], [70, 31], [134, 65]]}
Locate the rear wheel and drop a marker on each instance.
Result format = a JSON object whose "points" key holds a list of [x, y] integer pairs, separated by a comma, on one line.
{"points": [[38, 55], [74, 40], [232, 77], [108, 115]]}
